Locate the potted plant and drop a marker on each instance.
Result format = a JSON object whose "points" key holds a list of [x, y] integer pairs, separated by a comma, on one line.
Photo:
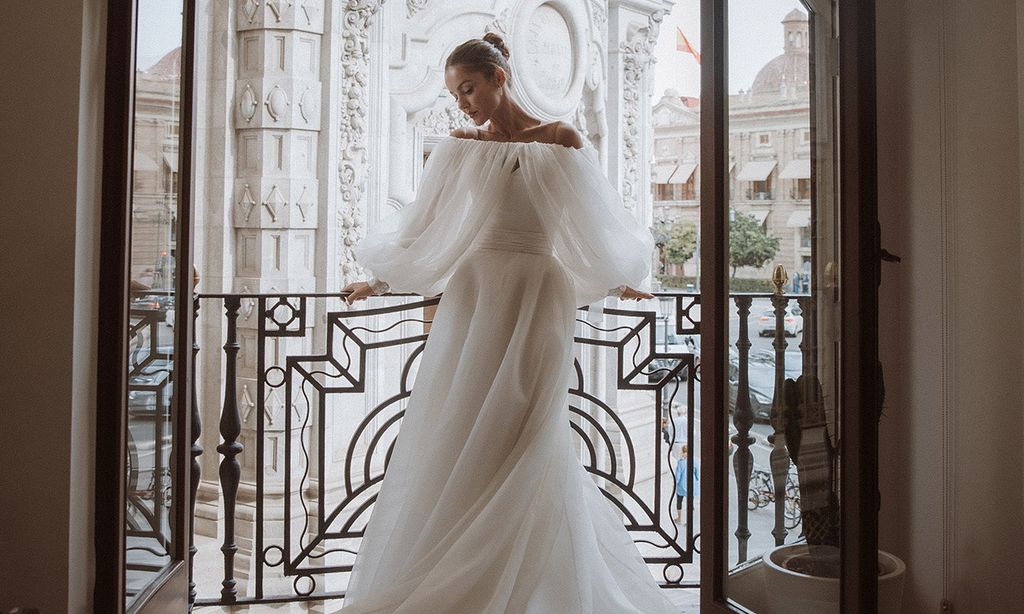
{"points": [[804, 578]]}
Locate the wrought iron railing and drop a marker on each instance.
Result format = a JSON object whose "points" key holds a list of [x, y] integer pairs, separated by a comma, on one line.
{"points": [[743, 415], [310, 395]]}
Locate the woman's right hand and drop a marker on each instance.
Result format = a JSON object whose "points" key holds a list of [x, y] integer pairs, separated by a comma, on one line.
{"points": [[358, 290]]}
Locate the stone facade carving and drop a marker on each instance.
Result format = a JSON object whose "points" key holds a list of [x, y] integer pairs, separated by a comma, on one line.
{"points": [[441, 121], [414, 6], [637, 56], [355, 61]]}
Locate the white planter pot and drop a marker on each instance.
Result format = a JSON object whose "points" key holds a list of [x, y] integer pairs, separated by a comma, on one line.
{"points": [[790, 592]]}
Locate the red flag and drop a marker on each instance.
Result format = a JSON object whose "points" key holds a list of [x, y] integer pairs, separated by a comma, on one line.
{"points": [[683, 44]]}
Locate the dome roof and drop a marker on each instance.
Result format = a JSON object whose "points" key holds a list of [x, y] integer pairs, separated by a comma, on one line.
{"points": [[793, 69], [168, 66]]}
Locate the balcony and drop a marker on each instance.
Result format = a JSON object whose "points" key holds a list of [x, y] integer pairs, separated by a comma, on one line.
{"points": [[315, 397]]}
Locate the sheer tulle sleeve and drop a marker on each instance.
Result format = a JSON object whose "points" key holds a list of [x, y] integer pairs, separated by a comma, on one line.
{"points": [[417, 248], [602, 246]]}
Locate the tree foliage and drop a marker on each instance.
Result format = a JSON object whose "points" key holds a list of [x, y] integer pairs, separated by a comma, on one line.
{"points": [[749, 243], [681, 243]]}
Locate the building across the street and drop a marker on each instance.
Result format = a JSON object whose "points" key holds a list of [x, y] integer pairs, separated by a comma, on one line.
{"points": [[769, 154]]}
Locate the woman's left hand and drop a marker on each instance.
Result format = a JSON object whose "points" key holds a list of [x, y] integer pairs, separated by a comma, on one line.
{"points": [[636, 295]]}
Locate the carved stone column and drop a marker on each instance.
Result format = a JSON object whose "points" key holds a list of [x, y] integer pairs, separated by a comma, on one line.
{"points": [[277, 125], [357, 18], [633, 31]]}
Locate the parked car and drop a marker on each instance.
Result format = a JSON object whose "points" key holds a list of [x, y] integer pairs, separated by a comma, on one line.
{"points": [[792, 322], [760, 380], [159, 303]]}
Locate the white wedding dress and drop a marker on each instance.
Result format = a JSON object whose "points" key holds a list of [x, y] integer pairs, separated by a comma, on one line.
{"points": [[484, 507]]}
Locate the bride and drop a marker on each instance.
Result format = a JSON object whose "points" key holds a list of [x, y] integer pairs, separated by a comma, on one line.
{"points": [[484, 507]]}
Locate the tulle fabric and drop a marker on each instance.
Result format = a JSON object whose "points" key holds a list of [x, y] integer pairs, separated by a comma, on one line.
{"points": [[484, 507], [600, 243]]}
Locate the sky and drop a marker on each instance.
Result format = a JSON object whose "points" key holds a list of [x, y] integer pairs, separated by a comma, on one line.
{"points": [[159, 30], [755, 34]]}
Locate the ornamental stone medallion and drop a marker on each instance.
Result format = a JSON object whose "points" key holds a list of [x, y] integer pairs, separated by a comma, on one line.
{"points": [[549, 44], [549, 52]]}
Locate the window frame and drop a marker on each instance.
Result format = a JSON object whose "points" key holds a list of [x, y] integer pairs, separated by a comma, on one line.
{"points": [[858, 268]]}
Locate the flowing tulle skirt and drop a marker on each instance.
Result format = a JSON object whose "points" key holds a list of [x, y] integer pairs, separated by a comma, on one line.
{"points": [[484, 507]]}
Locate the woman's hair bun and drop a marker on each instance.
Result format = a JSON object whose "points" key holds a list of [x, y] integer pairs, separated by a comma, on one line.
{"points": [[498, 42]]}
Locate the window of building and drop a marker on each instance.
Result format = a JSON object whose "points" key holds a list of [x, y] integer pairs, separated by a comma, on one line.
{"points": [[761, 190], [764, 139], [802, 189], [675, 191]]}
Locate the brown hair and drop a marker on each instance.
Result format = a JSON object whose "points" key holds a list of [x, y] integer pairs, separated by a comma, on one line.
{"points": [[482, 55]]}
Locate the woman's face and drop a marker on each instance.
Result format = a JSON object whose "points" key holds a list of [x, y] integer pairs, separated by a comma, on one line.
{"points": [[476, 96]]}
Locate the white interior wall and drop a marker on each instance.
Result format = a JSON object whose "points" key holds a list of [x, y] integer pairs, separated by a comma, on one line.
{"points": [[50, 138], [949, 189]]}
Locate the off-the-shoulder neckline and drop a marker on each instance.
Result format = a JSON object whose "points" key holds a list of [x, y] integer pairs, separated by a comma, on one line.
{"points": [[468, 140]]}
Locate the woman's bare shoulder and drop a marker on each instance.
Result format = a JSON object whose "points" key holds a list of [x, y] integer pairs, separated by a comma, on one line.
{"points": [[566, 134]]}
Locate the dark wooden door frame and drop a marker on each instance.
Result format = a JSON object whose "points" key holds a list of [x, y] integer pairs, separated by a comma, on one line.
{"points": [[714, 301], [112, 325], [859, 258]]}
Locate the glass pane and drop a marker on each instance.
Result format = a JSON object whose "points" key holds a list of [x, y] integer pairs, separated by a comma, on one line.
{"points": [[783, 502], [152, 270], [675, 216]]}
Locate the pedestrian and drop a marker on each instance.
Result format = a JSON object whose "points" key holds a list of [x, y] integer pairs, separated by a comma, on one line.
{"points": [[682, 490]]}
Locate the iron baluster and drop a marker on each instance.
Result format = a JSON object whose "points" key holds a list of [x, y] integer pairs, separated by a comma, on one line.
{"points": [[779, 458], [230, 428], [808, 345], [196, 452], [743, 419]]}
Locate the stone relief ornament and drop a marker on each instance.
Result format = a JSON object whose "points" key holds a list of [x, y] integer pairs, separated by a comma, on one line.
{"points": [[248, 202], [637, 57], [308, 11], [248, 103], [414, 6], [274, 200], [275, 8], [277, 102], [500, 23], [248, 305], [307, 104], [302, 205], [357, 16], [594, 118], [599, 9], [247, 403], [441, 121], [249, 8]]}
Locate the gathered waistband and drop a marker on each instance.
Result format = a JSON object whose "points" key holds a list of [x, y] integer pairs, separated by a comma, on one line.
{"points": [[524, 241]]}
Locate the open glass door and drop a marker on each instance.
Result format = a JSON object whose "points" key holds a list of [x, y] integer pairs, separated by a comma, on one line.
{"points": [[146, 278], [788, 307]]}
